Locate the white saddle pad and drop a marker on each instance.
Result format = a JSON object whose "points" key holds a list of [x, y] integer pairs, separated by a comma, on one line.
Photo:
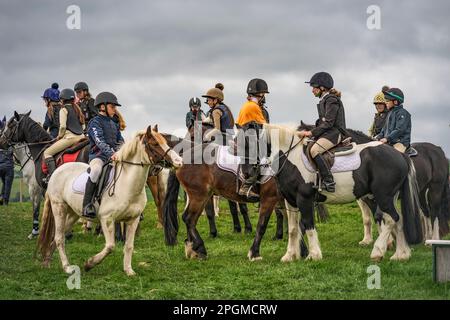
{"points": [[79, 184], [228, 162], [341, 164]]}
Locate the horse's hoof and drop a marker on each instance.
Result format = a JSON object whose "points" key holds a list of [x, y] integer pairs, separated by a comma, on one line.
{"points": [[130, 272], [248, 231], [365, 243], [213, 234], [314, 257], [287, 258], [46, 263], [237, 230], [253, 257], [376, 258], [400, 257], [88, 266]]}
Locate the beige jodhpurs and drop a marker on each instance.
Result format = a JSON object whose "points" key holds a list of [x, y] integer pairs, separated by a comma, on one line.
{"points": [[68, 140], [95, 167], [322, 145], [400, 147]]}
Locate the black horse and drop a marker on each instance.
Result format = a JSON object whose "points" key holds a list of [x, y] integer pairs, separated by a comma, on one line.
{"points": [[21, 128], [370, 178], [432, 172]]}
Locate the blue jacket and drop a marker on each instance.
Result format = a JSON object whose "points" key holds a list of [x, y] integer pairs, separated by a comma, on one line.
{"points": [[397, 127], [104, 137], [52, 124], [6, 159]]}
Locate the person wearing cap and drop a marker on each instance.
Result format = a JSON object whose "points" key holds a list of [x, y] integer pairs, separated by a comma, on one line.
{"points": [[52, 103], [71, 124], [219, 115], [252, 115], [195, 112], [85, 101], [105, 140], [397, 129], [330, 127], [381, 115]]}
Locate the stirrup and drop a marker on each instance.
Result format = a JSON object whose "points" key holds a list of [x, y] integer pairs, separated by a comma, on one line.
{"points": [[89, 212]]}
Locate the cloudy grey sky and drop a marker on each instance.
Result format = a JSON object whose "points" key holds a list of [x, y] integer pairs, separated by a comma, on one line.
{"points": [[155, 55]]}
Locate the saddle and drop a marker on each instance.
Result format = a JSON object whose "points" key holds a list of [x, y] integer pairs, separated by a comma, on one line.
{"points": [[68, 155], [344, 148], [106, 177]]}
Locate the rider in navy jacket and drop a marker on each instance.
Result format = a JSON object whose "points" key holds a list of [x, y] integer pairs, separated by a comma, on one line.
{"points": [[104, 137]]}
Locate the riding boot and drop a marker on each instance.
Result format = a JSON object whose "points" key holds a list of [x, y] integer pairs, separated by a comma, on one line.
{"points": [[247, 186], [327, 178], [51, 167], [88, 203]]}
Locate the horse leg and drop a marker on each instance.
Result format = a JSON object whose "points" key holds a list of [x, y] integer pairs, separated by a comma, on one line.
{"points": [[435, 194], [108, 232], [279, 213], [386, 217], [36, 197], [367, 221], [129, 246], [209, 208], [244, 211], [265, 210], [216, 202], [194, 245], [306, 207], [293, 249], [235, 216], [426, 216], [60, 215]]}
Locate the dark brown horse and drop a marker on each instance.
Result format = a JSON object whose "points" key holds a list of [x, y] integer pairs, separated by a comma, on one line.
{"points": [[201, 181]]}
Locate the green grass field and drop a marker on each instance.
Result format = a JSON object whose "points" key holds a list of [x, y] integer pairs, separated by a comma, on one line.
{"points": [[164, 273]]}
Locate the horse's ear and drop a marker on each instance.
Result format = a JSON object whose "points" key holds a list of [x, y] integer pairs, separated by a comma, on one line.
{"points": [[149, 131], [17, 116], [302, 123], [4, 119], [27, 114], [155, 128]]}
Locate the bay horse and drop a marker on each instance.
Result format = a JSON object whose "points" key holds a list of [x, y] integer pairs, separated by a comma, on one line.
{"points": [[123, 200], [372, 178], [202, 180]]}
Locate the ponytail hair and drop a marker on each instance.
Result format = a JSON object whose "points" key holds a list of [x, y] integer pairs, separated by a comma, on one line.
{"points": [[336, 92]]}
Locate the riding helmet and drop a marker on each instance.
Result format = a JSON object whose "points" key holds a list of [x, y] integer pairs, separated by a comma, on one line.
{"points": [[105, 98], [67, 94], [394, 94], [256, 86], [194, 101], [81, 86], [321, 79]]}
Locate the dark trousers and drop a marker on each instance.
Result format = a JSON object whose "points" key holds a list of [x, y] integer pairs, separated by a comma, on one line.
{"points": [[7, 177]]}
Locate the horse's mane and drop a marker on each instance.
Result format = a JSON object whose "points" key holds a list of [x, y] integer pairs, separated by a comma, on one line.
{"points": [[134, 147], [34, 131], [285, 133]]}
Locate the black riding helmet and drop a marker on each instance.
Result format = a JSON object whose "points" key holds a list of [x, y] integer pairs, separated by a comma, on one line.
{"points": [[81, 86], [67, 94], [194, 101], [394, 94], [321, 79], [256, 86], [105, 98]]}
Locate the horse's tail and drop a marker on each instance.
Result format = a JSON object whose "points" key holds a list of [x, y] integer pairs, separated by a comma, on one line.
{"points": [[45, 244], [170, 215], [444, 216], [411, 206]]}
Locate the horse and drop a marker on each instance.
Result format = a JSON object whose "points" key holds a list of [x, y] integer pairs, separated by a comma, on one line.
{"points": [[202, 180], [372, 178], [122, 201], [432, 172], [25, 160], [22, 129]]}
